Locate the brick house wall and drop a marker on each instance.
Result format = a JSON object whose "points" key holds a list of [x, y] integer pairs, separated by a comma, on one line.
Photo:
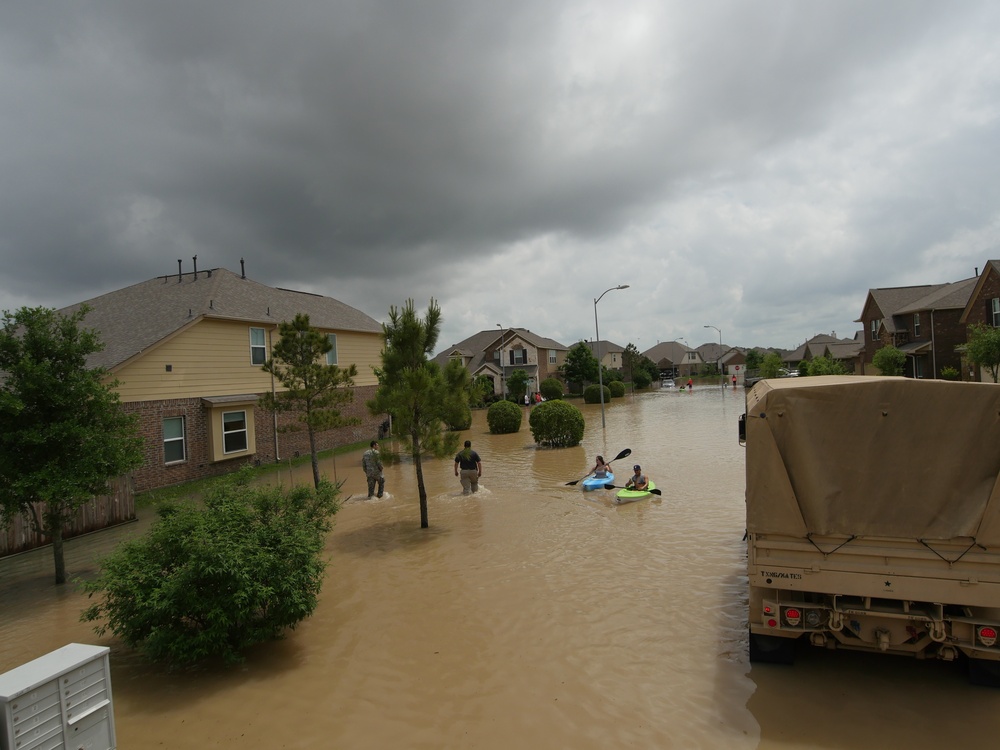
{"points": [[155, 473]]}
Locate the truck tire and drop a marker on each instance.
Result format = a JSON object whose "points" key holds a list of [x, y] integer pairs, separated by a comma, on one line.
{"points": [[770, 649], [984, 672]]}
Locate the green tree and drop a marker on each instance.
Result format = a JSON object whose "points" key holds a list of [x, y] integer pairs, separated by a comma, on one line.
{"points": [[478, 391], [413, 389], [983, 348], [641, 378], [557, 423], [63, 433], [630, 359], [517, 385], [313, 389], [580, 365], [889, 361], [458, 387], [770, 366], [823, 366], [754, 359], [209, 582]]}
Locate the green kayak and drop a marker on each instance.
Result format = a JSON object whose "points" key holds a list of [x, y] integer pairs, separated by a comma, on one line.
{"points": [[630, 496]]}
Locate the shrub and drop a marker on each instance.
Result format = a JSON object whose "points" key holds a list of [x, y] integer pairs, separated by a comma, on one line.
{"points": [[458, 416], [551, 389], [557, 423], [503, 417], [210, 582], [617, 388], [949, 373], [592, 394], [641, 379]]}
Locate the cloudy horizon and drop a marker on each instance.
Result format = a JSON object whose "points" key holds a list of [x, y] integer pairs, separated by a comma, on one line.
{"points": [[756, 168]]}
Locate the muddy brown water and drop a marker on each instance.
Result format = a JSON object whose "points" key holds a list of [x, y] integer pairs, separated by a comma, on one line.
{"points": [[530, 615]]}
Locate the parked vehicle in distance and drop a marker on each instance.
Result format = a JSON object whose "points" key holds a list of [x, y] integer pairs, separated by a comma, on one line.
{"points": [[667, 383], [888, 544]]}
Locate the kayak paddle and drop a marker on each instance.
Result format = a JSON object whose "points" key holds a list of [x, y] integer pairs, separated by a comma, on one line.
{"points": [[624, 454]]}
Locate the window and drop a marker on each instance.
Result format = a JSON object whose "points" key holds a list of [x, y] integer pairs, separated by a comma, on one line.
{"points": [[234, 431], [995, 309], [874, 330], [258, 351], [519, 356], [331, 356], [916, 324], [174, 448], [552, 356]]}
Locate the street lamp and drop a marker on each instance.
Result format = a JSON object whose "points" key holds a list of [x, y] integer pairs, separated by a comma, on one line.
{"points": [[597, 345], [501, 360], [718, 361]]}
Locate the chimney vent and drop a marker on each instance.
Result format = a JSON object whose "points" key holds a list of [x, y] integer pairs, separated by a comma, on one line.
{"points": [[243, 270], [195, 259], [179, 271]]}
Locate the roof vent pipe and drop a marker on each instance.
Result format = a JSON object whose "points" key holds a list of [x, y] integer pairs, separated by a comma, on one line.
{"points": [[243, 270], [976, 274], [195, 259], [178, 270]]}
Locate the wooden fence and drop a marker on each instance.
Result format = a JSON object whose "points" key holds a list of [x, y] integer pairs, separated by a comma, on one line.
{"points": [[107, 510]]}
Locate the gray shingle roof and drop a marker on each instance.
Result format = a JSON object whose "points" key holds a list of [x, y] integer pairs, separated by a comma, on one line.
{"points": [[133, 319]]}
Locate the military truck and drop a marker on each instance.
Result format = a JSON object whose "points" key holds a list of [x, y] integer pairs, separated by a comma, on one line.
{"points": [[873, 518]]}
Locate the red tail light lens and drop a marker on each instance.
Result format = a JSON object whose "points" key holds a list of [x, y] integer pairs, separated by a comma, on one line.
{"points": [[792, 616], [987, 635]]}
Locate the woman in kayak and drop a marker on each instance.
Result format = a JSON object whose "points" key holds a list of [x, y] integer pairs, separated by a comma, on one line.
{"points": [[601, 469]]}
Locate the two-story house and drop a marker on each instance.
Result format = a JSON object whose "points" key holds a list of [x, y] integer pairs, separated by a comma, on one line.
{"points": [[675, 359], [608, 353], [924, 322], [846, 351], [496, 354], [186, 351], [983, 308]]}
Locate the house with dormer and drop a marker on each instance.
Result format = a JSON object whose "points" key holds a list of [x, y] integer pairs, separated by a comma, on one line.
{"points": [[845, 351], [924, 322], [186, 351], [608, 353], [496, 354], [983, 308]]}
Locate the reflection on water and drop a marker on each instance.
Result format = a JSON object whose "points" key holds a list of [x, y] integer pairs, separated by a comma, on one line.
{"points": [[532, 613]]}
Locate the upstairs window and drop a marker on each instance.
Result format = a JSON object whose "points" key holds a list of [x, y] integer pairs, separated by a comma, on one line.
{"points": [[519, 356], [258, 350], [552, 356], [331, 356], [995, 312], [875, 330], [916, 325]]}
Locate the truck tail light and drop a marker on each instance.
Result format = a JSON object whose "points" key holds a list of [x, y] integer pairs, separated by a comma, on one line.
{"points": [[772, 623], [987, 635], [768, 609], [793, 616]]}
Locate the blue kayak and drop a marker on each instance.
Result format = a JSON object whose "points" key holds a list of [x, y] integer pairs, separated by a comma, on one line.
{"points": [[597, 483]]}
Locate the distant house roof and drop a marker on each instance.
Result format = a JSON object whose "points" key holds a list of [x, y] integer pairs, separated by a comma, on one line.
{"points": [[475, 347], [671, 351], [992, 268], [606, 347], [825, 345], [133, 319]]}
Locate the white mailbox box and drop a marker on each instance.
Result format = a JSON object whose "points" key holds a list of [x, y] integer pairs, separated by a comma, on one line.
{"points": [[60, 700]]}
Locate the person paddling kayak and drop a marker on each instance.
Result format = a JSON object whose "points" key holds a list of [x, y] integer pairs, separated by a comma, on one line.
{"points": [[638, 480]]}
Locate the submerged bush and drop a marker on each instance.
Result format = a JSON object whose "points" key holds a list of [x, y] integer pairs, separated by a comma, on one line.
{"points": [[551, 388], [617, 388], [503, 417], [556, 423], [592, 394], [210, 582]]}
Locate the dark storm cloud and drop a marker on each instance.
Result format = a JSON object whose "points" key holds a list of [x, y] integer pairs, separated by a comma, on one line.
{"points": [[379, 150]]}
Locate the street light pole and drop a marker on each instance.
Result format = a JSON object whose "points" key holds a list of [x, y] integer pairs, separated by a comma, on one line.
{"points": [[501, 361], [718, 361], [597, 346]]}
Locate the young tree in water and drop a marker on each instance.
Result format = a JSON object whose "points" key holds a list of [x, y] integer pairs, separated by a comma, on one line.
{"points": [[983, 348], [313, 388], [414, 390], [580, 365], [63, 433]]}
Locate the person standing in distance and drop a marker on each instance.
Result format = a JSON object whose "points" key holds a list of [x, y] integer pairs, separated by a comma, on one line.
{"points": [[371, 462], [471, 467]]}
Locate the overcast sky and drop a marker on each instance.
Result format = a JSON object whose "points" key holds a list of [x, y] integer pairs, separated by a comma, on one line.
{"points": [[753, 166]]}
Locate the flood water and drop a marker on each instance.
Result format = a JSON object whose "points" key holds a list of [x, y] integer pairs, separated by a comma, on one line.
{"points": [[530, 615]]}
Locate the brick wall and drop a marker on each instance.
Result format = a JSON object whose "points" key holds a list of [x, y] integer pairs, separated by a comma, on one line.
{"points": [[155, 473]]}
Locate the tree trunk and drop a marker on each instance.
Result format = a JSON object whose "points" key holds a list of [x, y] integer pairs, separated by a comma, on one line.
{"points": [[58, 556], [315, 458], [421, 490]]}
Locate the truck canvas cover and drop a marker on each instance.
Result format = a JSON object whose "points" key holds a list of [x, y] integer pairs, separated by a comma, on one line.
{"points": [[874, 456]]}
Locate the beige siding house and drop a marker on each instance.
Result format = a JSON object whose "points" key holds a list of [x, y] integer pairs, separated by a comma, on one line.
{"points": [[186, 351]]}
